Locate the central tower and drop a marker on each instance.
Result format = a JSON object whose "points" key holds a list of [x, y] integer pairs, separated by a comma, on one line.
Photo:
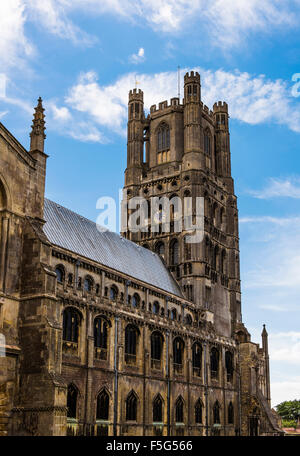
{"points": [[183, 149]]}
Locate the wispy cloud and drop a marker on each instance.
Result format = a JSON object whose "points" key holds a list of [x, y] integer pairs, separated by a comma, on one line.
{"points": [[227, 19], [285, 347], [15, 47], [288, 188], [226, 23], [251, 99], [61, 120], [139, 57]]}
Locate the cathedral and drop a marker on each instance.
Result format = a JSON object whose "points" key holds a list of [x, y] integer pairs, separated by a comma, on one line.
{"points": [[135, 334]]}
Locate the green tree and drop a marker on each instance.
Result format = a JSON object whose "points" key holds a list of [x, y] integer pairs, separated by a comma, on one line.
{"points": [[289, 410]]}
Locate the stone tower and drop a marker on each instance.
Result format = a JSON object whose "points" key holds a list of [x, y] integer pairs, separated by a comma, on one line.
{"points": [[183, 149]]}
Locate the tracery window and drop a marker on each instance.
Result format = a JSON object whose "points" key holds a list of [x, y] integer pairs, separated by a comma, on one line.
{"points": [[163, 143], [214, 363], [131, 336], [113, 293], [229, 365], [179, 410], [156, 308], [160, 249], [207, 142], [70, 325], [198, 412], [216, 413], [102, 406], [100, 333], [157, 409], [72, 401], [230, 413], [136, 300], [173, 314], [174, 252], [163, 137], [188, 320], [88, 284], [197, 358], [131, 407], [60, 273], [156, 349], [178, 348]]}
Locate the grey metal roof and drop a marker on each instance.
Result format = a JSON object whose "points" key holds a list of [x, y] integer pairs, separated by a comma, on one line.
{"points": [[77, 234]]}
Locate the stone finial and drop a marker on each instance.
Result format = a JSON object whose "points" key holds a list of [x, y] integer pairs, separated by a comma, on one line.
{"points": [[37, 134], [264, 331]]}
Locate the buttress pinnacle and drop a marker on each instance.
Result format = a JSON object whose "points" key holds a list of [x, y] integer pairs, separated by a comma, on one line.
{"points": [[37, 134]]}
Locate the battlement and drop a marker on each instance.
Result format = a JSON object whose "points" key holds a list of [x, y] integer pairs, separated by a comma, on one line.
{"points": [[136, 95], [164, 105], [221, 106], [193, 77], [206, 110]]}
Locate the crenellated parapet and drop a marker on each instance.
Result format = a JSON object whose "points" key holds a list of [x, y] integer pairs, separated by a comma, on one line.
{"points": [[136, 95], [220, 106], [165, 105]]}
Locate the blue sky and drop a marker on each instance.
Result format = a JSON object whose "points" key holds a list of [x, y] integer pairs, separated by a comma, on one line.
{"points": [[83, 56]]}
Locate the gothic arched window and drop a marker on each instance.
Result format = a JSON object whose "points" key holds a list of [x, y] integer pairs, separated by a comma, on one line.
{"points": [[157, 409], [102, 406], [223, 262], [198, 412], [136, 300], [155, 307], [215, 260], [88, 284], [160, 249], [60, 273], [216, 413], [214, 363], [230, 413], [72, 395], [163, 137], [113, 293], [229, 365], [131, 407], [179, 410], [131, 337], [197, 358], [188, 320], [70, 325], [174, 252], [207, 142], [187, 249], [3, 199], [156, 345], [178, 349], [100, 332], [173, 314]]}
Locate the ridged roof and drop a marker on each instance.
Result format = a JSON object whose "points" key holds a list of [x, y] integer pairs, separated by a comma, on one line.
{"points": [[66, 229]]}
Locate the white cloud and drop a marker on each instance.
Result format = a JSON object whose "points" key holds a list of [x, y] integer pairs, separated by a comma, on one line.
{"points": [[285, 347], [103, 104], [251, 99], [14, 45], [285, 391], [289, 188], [53, 16], [225, 21], [139, 57], [61, 113], [61, 120]]}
